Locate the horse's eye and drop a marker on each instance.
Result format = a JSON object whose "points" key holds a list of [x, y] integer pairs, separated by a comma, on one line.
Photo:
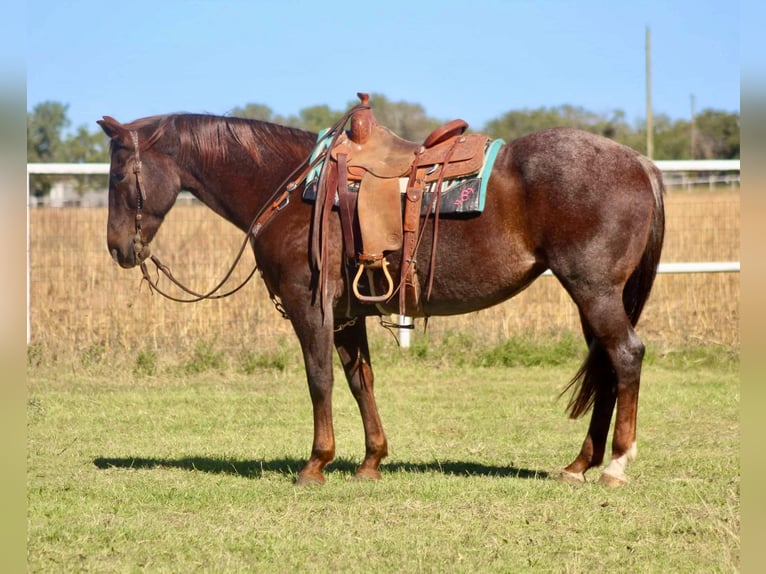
{"points": [[118, 176]]}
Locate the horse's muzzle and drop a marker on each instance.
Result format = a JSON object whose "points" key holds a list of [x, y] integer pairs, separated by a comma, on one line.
{"points": [[136, 253]]}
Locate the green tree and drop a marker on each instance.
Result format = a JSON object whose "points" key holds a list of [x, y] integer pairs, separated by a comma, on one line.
{"points": [[87, 147], [254, 112], [672, 140], [315, 118], [407, 120], [44, 131], [44, 141], [517, 123], [717, 135]]}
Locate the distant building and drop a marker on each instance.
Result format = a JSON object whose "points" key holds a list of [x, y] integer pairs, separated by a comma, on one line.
{"points": [[64, 193]]}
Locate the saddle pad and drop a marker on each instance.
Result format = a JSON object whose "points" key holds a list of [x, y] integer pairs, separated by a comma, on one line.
{"points": [[462, 196]]}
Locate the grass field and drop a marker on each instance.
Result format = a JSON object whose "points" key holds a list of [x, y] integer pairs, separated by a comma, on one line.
{"points": [[146, 464]]}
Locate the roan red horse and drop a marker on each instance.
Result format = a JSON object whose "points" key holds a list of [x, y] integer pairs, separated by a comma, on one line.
{"points": [[581, 205]]}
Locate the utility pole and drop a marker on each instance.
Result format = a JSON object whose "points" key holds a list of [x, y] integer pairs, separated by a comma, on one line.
{"points": [[649, 119]]}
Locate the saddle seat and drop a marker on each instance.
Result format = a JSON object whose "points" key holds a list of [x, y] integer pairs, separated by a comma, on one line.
{"points": [[375, 149], [372, 220]]}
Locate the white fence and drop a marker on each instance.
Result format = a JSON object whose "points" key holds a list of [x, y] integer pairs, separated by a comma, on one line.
{"points": [[691, 174], [671, 169]]}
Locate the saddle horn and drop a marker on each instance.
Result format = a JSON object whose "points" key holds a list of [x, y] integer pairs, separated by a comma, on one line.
{"points": [[362, 121]]}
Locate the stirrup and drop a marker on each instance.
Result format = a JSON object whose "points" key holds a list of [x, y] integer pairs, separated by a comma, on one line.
{"points": [[373, 298]]}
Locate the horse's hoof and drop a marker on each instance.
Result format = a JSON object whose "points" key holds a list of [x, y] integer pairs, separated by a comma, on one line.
{"points": [[367, 474], [571, 477], [309, 479], [612, 481]]}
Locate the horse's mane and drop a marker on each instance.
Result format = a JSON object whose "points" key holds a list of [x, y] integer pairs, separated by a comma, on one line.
{"points": [[213, 138]]}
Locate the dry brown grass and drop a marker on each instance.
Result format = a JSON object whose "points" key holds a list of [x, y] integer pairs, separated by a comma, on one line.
{"points": [[81, 299]]}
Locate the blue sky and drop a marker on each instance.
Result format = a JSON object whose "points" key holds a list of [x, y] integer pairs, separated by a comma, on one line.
{"points": [[475, 60]]}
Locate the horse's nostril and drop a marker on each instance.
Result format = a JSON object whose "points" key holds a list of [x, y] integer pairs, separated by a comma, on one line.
{"points": [[114, 255]]}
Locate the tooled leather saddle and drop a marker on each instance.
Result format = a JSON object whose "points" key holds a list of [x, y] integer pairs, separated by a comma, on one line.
{"points": [[377, 162]]}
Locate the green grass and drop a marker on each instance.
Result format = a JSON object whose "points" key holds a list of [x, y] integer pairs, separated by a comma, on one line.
{"points": [[163, 465]]}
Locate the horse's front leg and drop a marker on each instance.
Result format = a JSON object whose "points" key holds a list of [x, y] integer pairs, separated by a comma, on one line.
{"points": [[316, 338], [354, 353]]}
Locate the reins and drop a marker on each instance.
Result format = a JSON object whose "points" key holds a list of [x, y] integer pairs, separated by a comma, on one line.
{"points": [[276, 203]]}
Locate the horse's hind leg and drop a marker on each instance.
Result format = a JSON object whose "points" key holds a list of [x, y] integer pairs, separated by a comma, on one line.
{"points": [[630, 355], [599, 370], [354, 353], [615, 372]]}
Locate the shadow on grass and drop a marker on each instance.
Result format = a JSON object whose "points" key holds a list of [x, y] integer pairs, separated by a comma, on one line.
{"points": [[291, 466]]}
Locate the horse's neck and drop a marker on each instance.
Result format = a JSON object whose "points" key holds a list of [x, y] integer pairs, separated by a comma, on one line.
{"points": [[237, 188]]}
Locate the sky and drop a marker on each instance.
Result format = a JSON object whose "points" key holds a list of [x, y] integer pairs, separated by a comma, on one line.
{"points": [[471, 59]]}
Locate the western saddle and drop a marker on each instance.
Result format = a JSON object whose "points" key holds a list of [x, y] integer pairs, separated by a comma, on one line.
{"points": [[375, 160]]}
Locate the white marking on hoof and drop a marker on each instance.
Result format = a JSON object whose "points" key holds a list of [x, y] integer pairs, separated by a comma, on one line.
{"points": [[571, 477], [614, 473]]}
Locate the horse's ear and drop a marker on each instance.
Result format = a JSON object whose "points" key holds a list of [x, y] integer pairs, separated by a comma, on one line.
{"points": [[111, 127]]}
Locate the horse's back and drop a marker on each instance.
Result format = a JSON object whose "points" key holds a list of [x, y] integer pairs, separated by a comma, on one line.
{"points": [[566, 172], [565, 156]]}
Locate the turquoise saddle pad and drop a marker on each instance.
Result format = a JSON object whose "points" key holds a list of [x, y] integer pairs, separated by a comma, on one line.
{"points": [[459, 196]]}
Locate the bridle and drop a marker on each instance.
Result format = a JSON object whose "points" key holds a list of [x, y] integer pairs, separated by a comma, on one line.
{"points": [[265, 214], [278, 201], [138, 240]]}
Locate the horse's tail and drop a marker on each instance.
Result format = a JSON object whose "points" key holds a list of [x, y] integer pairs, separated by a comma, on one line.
{"points": [[597, 366]]}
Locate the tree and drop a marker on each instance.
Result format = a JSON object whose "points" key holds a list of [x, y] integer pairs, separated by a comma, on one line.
{"points": [[44, 128], [44, 144], [517, 123], [87, 147], [254, 112], [315, 118], [405, 119], [672, 140], [717, 135]]}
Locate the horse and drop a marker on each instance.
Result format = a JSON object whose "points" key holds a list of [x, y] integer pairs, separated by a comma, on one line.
{"points": [[586, 208]]}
